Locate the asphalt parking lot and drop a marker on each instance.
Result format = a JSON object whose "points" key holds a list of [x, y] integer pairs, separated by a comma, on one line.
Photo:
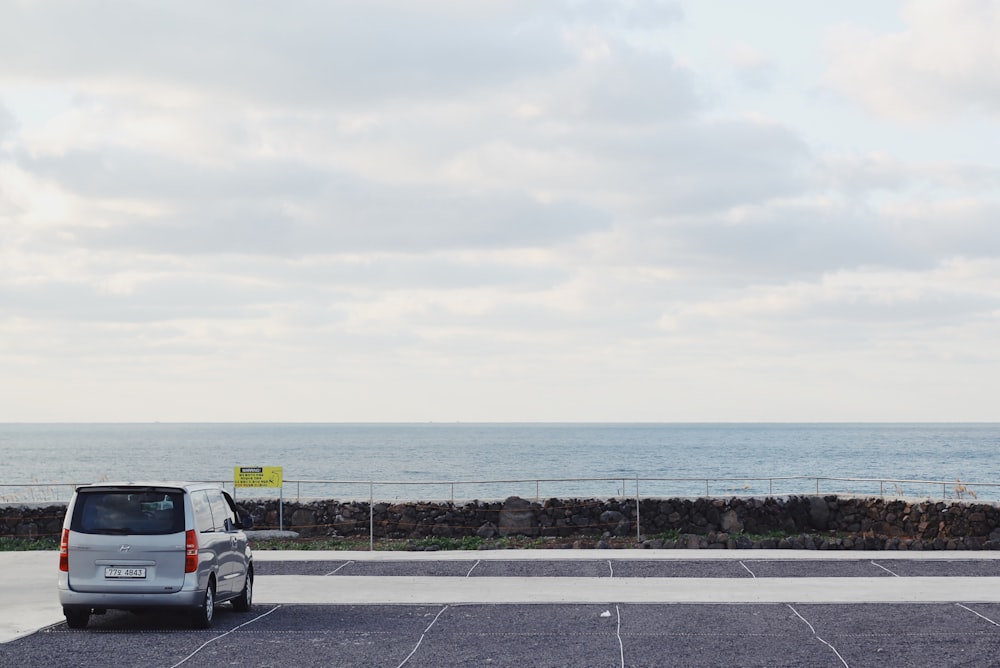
{"points": [[604, 635], [802, 631]]}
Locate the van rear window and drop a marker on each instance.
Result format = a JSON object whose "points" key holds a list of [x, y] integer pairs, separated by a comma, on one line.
{"points": [[129, 512]]}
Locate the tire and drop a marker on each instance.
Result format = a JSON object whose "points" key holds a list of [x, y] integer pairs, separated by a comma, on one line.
{"points": [[76, 618], [244, 601], [202, 616]]}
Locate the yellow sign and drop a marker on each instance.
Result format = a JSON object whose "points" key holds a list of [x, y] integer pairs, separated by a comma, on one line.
{"points": [[257, 476]]}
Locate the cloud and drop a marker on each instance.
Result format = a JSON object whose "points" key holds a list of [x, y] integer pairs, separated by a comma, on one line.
{"points": [[849, 312], [652, 15], [625, 87], [753, 68], [718, 165], [502, 200], [943, 63], [109, 172], [7, 122], [315, 53], [348, 217]]}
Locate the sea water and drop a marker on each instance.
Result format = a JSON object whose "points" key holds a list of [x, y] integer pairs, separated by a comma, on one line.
{"points": [[465, 461]]}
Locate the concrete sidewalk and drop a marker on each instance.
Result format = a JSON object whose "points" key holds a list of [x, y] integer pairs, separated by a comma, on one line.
{"points": [[454, 590], [28, 591], [30, 602]]}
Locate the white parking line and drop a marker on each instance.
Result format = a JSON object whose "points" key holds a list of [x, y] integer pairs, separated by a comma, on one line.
{"points": [[618, 632], [346, 563], [964, 607], [473, 568], [414, 650], [816, 636], [748, 570], [223, 635], [611, 568], [875, 563]]}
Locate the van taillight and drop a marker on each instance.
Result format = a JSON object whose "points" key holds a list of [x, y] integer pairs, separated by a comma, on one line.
{"points": [[64, 551], [190, 551]]}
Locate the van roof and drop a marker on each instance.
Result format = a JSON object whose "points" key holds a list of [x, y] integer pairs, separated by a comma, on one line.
{"points": [[171, 484]]}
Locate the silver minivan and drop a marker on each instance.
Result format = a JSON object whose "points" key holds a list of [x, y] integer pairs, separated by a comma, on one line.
{"points": [[143, 545]]}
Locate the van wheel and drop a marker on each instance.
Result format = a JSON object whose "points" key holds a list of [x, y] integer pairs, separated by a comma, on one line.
{"points": [[76, 618], [243, 602], [201, 617]]}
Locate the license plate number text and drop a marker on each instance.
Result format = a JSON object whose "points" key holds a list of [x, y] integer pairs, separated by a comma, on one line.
{"points": [[119, 572]]}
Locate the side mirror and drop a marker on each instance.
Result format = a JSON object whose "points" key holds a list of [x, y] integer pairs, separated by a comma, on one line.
{"points": [[246, 522]]}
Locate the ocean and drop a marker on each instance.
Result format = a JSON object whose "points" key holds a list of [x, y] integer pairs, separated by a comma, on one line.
{"points": [[401, 461]]}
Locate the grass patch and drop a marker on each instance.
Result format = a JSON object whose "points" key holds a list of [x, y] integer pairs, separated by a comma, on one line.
{"points": [[433, 543], [16, 544], [323, 543], [774, 534], [670, 534]]}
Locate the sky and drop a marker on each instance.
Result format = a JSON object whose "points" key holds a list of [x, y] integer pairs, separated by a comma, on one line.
{"points": [[501, 210]]}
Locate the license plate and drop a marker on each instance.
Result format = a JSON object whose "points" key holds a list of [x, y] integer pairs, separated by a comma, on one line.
{"points": [[118, 572]]}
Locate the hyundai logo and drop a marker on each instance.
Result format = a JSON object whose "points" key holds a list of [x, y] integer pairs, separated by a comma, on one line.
{"points": [[125, 548]]}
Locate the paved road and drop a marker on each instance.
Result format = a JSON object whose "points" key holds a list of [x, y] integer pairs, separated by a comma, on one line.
{"points": [[615, 608]]}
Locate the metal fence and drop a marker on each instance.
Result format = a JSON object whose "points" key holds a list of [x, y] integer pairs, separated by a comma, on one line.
{"points": [[458, 491]]}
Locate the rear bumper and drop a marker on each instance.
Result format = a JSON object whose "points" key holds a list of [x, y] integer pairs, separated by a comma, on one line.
{"points": [[189, 596]]}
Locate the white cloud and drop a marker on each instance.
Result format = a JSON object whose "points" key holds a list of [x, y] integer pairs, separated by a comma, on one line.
{"points": [[942, 64], [754, 68], [452, 210], [7, 122]]}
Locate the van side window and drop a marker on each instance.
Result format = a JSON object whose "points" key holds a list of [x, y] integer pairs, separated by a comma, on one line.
{"points": [[221, 510], [202, 512]]}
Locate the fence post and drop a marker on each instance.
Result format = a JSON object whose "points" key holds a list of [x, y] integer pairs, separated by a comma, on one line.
{"points": [[638, 533], [371, 516]]}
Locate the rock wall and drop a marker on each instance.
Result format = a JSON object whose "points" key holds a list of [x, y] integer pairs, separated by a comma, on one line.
{"points": [[786, 522], [808, 522], [31, 520]]}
